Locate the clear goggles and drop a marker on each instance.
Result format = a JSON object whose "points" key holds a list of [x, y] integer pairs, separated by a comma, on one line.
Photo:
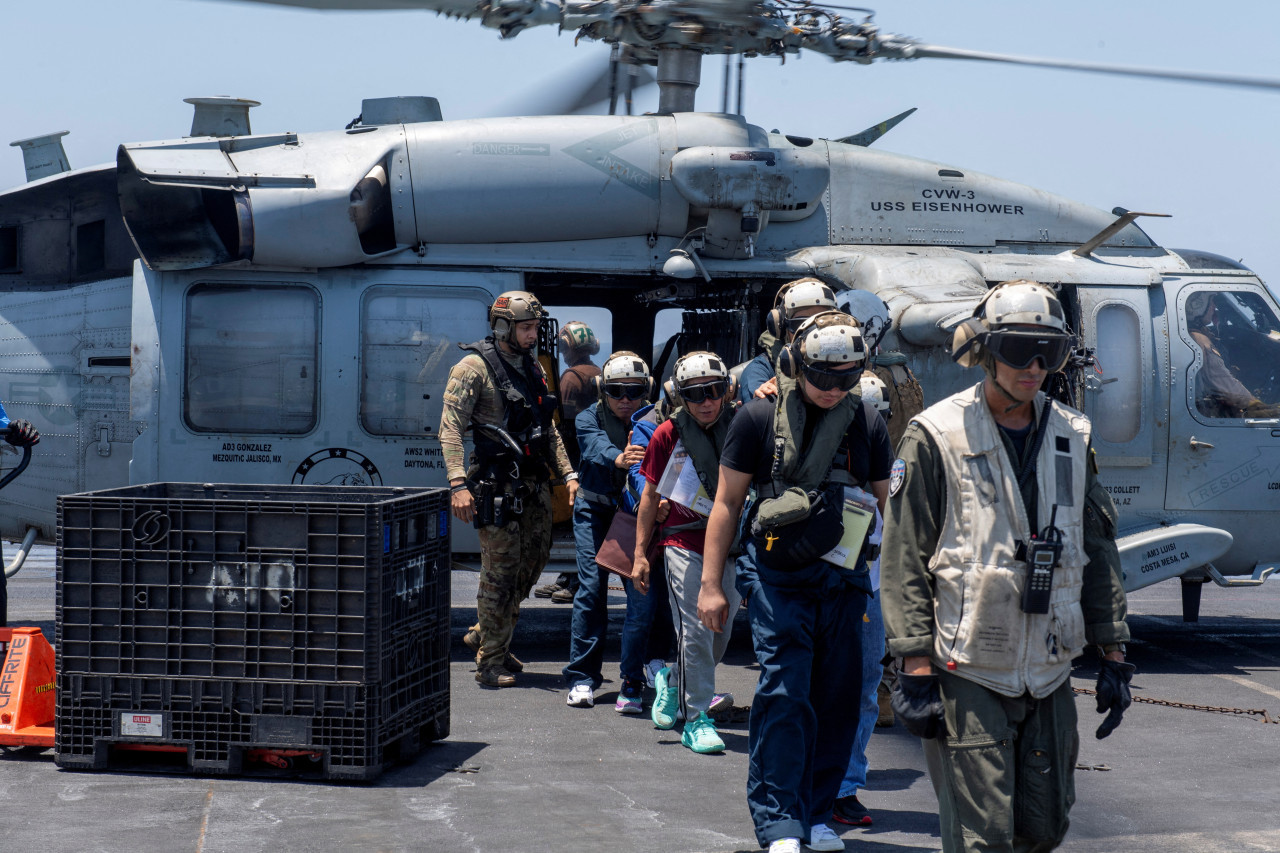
{"points": [[1019, 348]]}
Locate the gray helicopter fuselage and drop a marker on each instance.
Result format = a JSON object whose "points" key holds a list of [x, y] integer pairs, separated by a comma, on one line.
{"points": [[300, 298]]}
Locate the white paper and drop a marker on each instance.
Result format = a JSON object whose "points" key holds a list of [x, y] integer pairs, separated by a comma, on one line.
{"points": [[680, 483]]}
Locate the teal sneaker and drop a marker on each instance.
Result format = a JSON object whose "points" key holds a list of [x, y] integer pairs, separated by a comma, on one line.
{"points": [[701, 736], [666, 702]]}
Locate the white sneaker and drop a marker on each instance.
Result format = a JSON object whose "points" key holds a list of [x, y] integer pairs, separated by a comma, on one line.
{"points": [[582, 696], [785, 845], [822, 838], [651, 671]]}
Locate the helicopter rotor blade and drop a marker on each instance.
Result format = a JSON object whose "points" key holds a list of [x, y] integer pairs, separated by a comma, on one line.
{"points": [[577, 89], [931, 51]]}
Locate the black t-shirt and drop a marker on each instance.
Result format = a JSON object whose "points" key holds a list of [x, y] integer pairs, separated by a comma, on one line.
{"points": [[749, 445]]}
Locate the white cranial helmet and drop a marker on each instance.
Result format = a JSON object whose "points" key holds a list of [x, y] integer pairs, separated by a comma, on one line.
{"points": [[806, 293], [1023, 303], [875, 392], [696, 365], [831, 338], [624, 365]]}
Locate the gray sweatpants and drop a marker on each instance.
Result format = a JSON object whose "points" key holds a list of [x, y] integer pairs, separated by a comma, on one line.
{"points": [[698, 648]]}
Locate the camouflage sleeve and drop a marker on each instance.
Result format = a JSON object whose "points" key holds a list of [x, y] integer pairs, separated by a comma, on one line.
{"points": [[912, 526], [460, 395], [563, 467], [1102, 598]]}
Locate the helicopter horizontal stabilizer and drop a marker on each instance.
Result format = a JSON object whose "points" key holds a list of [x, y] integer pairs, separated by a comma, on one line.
{"points": [[871, 134], [1169, 551]]}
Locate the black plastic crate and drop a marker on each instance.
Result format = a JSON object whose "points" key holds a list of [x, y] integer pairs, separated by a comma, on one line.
{"points": [[245, 582], [354, 730]]}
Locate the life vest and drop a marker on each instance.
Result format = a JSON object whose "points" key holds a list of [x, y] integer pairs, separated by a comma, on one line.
{"points": [[619, 436], [980, 631], [822, 460], [704, 447]]}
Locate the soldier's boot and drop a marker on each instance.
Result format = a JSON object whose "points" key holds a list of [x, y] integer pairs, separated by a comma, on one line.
{"points": [[550, 589], [495, 676], [472, 641], [565, 595], [885, 718]]}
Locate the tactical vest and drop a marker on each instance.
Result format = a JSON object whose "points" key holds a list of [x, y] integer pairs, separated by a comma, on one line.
{"points": [[979, 625], [906, 397], [528, 409], [823, 460]]}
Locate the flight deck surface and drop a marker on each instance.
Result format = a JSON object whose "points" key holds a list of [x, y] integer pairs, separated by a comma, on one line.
{"points": [[521, 771]]}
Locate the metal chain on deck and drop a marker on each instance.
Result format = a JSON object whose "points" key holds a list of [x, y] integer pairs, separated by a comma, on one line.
{"points": [[1212, 709]]}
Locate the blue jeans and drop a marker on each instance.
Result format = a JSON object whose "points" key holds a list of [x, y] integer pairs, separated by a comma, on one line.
{"points": [[855, 777], [590, 619], [807, 641]]}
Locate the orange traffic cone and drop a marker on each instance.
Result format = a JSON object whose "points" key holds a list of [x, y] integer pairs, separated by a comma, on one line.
{"points": [[26, 688]]}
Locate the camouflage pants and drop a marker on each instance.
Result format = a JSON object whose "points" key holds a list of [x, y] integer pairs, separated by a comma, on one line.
{"points": [[511, 559]]}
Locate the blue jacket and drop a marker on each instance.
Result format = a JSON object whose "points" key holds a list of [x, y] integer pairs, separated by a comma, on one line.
{"points": [[757, 372], [642, 429], [596, 470]]}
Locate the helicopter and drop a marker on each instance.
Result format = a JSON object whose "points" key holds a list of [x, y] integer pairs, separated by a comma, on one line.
{"points": [[282, 307]]}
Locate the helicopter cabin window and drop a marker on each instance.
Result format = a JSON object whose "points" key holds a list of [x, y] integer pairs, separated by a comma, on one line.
{"points": [[1121, 364], [409, 343], [9, 249], [251, 359], [1236, 371]]}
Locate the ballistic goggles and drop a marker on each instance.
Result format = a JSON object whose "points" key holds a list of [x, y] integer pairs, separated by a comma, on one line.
{"points": [[827, 380], [704, 392], [1019, 348], [624, 390]]}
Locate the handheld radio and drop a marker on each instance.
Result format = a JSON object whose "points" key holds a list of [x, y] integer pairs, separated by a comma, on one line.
{"points": [[1043, 555]]}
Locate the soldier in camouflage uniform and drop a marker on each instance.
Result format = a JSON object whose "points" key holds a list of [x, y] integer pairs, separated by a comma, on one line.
{"points": [[499, 384]]}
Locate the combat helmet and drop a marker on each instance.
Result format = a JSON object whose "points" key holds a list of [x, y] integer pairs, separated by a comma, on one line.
{"points": [[514, 306]]}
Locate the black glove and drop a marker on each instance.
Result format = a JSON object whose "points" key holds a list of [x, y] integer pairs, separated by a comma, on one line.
{"points": [[1113, 693], [22, 434], [918, 703]]}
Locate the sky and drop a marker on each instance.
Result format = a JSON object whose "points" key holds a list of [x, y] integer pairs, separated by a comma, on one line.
{"points": [[113, 72]]}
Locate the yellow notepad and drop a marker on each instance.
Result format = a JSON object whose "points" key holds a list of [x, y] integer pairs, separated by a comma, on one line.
{"points": [[858, 523]]}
